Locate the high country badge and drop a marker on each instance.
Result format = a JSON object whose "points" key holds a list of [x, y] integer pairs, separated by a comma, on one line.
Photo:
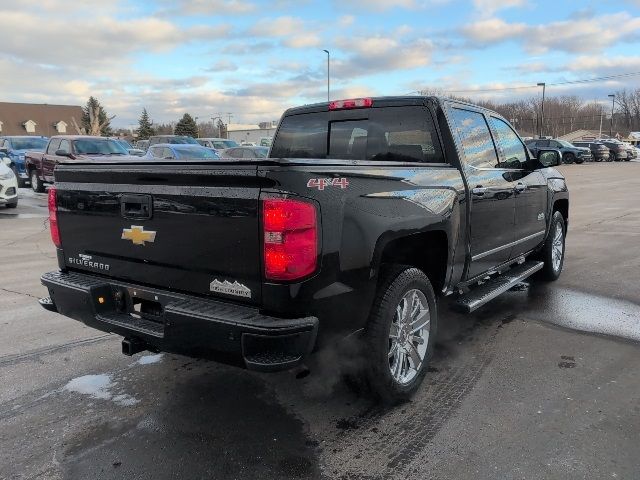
{"points": [[235, 288]]}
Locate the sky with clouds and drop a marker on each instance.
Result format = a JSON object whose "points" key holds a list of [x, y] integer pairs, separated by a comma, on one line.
{"points": [[255, 58]]}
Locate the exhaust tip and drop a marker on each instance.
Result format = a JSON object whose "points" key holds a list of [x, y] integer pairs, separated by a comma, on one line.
{"points": [[131, 346]]}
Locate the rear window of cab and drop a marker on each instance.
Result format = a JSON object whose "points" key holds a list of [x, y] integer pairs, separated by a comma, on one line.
{"points": [[405, 134]]}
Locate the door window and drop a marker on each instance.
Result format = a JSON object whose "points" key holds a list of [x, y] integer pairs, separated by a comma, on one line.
{"points": [[167, 153], [479, 149], [53, 146], [513, 150], [65, 145]]}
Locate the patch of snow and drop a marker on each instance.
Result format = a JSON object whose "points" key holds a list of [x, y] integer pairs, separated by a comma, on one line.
{"points": [[99, 386], [96, 386], [125, 400], [149, 359]]}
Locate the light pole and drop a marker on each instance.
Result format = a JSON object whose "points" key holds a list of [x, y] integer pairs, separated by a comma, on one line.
{"points": [[213, 122], [544, 87], [328, 74], [613, 101], [197, 126]]}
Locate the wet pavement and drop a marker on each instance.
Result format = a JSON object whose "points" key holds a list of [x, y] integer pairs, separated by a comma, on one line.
{"points": [[543, 382]]}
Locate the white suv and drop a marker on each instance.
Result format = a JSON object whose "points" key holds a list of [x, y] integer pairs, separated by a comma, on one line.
{"points": [[8, 186]]}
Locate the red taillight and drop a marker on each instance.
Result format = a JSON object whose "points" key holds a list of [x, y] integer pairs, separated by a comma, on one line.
{"points": [[53, 217], [290, 238], [350, 103]]}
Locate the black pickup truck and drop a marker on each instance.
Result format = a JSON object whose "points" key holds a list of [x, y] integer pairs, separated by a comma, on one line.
{"points": [[367, 211]]}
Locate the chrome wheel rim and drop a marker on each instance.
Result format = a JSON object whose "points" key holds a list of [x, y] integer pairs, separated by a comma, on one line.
{"points": [[557, 248], [409, 336]]}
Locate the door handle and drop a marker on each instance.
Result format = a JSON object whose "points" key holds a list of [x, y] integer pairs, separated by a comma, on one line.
{"points": [[136, 206], [520, 187], [479, 190]]}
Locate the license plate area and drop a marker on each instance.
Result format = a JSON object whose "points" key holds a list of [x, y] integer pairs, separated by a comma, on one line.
{"points": [[139, 304]]}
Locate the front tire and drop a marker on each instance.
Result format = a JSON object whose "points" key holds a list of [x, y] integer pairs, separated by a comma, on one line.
{"points": [[12, 205], [36, 184], [552, 253], [400, 335]]}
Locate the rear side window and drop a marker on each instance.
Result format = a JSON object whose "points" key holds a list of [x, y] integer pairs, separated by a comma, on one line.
{"points": [[479, 149], [404, 134]]}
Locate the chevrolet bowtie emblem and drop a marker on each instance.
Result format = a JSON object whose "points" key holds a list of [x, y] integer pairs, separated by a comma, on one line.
{"points": [[137, 235]]}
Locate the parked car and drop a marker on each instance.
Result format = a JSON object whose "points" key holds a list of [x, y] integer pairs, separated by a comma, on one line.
{"points": [[8, 186], [218, 144], [15, 148], [66, 148], [138, 152], [245, 152], [599, 151], [617, 150], [172, 139], [266, 141], [173, 151], [367, 213], [142, 145], [570, 154], [631, 151]]}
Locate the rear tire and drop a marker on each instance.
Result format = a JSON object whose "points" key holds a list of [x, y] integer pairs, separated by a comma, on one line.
{"points": [[568, 158], [12, 205], [400, 336], [552, 253], [36, 184]]}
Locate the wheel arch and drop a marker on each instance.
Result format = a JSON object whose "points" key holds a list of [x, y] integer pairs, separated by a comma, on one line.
{"points": [[428, 251], [561, 205]]}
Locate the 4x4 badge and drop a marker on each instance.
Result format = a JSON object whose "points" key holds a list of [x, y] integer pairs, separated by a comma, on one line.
{"points": [[138, 235]]}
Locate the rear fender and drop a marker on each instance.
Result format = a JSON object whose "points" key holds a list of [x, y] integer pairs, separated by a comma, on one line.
{"points": [[425, 210]]}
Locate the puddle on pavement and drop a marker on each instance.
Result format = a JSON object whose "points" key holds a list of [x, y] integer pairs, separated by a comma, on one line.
{"points": [[206, 425], [575, 310]]}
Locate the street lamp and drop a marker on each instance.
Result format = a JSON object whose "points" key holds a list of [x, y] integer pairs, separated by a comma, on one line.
{"points": [[544, 87], [328, 71], [613, 101], [197, 126]]}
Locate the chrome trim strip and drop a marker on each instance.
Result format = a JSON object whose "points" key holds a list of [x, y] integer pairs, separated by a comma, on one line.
{"points": [[497, 249]]}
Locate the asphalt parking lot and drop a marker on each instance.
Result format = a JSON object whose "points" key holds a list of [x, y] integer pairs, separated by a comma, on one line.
{"points": [[541, 383]]}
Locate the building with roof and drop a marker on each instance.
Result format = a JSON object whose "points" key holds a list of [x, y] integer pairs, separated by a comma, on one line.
{"points": [[38, 119], [252, 133], [633, 138]]}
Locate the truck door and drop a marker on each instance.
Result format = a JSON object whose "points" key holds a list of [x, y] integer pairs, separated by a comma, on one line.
{"points": [[49, 160], [492, 202], [530, 189]]}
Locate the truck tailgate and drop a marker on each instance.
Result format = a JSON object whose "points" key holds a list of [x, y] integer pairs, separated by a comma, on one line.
{"points": [[189, 228]]}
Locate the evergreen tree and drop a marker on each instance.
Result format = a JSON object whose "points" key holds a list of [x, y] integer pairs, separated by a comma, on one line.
{"points": [[186, 126], [145, 129], [95, 120]]}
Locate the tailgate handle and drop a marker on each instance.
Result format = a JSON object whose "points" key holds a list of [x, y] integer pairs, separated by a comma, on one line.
{"points": [[136, 206]]}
